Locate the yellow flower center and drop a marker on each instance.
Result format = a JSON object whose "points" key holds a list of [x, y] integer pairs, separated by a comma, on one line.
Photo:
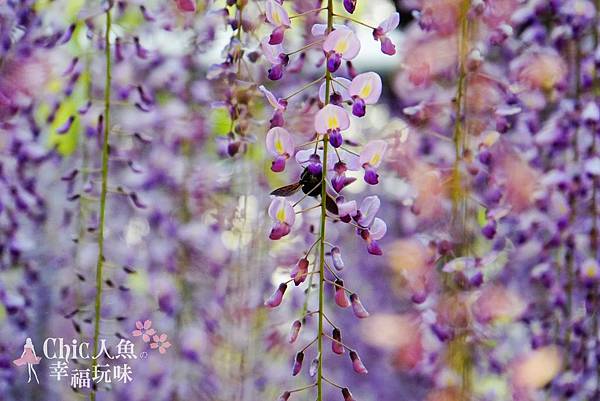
{"points": [[279, 146], [375, 159], [281, 215], [342, 45], [366, 90], [332, 122]]}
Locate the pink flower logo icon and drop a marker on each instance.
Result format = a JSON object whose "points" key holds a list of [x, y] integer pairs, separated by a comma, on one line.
{"points": [[161, 343], [144, 329]]}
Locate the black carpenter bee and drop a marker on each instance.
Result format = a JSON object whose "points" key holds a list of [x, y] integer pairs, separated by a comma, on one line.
{"points": [[310, 184]]}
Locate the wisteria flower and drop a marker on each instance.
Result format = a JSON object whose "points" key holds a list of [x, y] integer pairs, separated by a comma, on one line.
{"points": [[281, 145], [278, 17], [341, 43], [373, 228], [143, 329], [370, 158], [282, 212], [380, 34], [364, 89], [346, 209], [331, 120], [160, 342], [279, 106], [277, 57], [339, 91]]}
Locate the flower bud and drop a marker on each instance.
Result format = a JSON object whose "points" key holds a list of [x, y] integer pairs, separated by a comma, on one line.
{"points": [[347, 394], [357, 364], [314, 366], [285, 396], [298, 363], [295, 330], [336, 343], [341, 299], [336, 257], [358, 308], [300, 271], [276, 298], [350, 6]]}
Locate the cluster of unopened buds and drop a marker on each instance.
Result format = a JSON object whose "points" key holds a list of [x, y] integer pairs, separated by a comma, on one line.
{"points": [[325, 163]]}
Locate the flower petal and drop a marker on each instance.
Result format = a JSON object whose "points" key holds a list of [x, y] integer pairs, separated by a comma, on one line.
{"points": [[281, 210], [280, 142], [331, 117], [373, 153], [276, 14], [337, 87], [390, 23], [366, 86], [368, 209], [378, 229], [342, 41]]}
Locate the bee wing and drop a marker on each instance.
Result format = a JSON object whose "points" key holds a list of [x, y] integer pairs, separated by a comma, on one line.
{"points": [[287, 190]]}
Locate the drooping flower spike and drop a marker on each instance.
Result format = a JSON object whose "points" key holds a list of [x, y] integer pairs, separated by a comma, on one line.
{"points": [[364, 89], [380, 33], [278, 17], [281, 145], [331, 120], [282, 212], [340, 44], [370, 158]]}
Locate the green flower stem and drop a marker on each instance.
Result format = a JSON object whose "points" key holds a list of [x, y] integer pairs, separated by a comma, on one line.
{"points": [[570, 251], [323, 221], [103, 192], [459, 354]]}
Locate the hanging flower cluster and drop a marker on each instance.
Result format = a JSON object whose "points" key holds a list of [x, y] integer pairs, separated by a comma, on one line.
{"points": [[326, 169]]}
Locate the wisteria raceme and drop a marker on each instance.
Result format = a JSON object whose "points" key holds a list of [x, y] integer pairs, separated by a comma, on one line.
{"points": [[323, 173], [284, 200]]}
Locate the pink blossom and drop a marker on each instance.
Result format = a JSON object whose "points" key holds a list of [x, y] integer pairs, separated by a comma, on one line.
{"points": [[160, 342], [143, 329]]}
